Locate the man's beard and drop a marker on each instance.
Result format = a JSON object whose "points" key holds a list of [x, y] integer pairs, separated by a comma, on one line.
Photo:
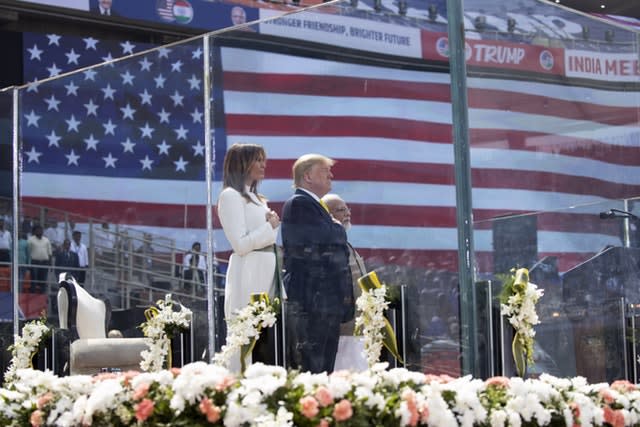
{"points": [[346, 225]]}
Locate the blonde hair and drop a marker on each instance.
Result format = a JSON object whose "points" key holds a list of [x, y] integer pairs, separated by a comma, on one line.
{"points": [[305, 163]]}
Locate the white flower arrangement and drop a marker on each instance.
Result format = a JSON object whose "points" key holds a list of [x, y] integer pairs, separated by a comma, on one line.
{"points": [[266, 396], [161, 325], [26, 346], [518, 304], [370, 322], [244, 327]]}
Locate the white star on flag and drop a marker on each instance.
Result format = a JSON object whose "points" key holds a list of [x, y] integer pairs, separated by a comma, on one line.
{"points": [[110, 161], [33, 155], [146, 163], [72, 124], [92, 109], [128, 146], [32, 119], [52, 103], [72, 57], [109, 128], [53, 139], [72, 158], [92, 143], [35, 52], [181, 164], [146, 130], [128, 112]]}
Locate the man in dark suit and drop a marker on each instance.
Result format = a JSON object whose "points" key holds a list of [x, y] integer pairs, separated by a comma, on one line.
{"points": [[64, 257], [104, 7], [316, 262]]}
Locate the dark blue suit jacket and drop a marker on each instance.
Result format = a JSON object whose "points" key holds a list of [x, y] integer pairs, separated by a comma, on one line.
{"points": [[316, 258]]}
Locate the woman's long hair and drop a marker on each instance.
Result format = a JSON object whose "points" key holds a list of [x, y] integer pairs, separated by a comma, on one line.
{"points": [[237, 163]]}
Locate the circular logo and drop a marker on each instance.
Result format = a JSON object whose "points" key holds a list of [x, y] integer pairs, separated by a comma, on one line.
{"points": [[442, 46], [182, 11], [546, 60]]}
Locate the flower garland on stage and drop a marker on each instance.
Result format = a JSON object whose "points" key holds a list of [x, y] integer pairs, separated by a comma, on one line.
{"points": [[244, 328], [25, 347], [371, 322], [518, 303], [162, 324], [268, 396]]}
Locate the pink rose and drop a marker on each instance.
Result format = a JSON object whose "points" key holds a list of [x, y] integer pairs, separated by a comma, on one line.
{"points": [[613, 417], [409, 396], [144, 409], [324, 396], [575, 410], [226, 382], [211, 411], [498, 382], [623, 386], [343, 410], [607, 396], [141, 391], [44, 399], [128, 376], [323, 423], [104, 376], [309, 406], [175, 371], [36, 418], [442, 379], [424, 414]]}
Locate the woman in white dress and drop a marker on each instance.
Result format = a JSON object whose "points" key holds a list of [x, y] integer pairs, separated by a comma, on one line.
{"points": [[249, 225]]}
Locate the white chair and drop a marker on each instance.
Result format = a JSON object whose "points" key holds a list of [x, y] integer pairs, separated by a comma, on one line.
{"points": [[87, 318]]}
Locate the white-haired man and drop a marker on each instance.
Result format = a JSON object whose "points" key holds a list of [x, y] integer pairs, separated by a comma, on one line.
{"points": [[350, 348]]}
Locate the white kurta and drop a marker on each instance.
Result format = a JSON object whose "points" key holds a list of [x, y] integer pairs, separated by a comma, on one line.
{"points": [[250, 270]]}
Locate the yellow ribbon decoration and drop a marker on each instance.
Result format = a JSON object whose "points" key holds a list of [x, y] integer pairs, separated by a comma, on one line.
{"points": [[246, 349], [370, 281], [149, 314], [522, 355]]}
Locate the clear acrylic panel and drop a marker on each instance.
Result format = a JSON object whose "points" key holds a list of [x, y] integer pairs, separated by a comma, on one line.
{"points": [[588, 269], [113, 160], [553, 122], [7, 261], [351, 83]]}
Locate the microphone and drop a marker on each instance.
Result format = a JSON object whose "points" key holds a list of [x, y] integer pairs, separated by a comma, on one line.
{"points": [[617, 213], [607, 214]]}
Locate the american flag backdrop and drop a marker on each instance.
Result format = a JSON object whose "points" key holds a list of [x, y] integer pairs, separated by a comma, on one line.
{"points": [[126, 145], [123, 142]]}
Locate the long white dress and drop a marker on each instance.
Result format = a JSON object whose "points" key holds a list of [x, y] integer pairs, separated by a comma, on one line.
{"points": [[250, 269], [245, 225]]}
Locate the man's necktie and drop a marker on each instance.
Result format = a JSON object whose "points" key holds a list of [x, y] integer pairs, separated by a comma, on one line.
{"points": [[324, 205]]}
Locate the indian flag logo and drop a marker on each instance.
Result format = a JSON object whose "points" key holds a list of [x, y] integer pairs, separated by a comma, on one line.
{"points": [[182, 11]]}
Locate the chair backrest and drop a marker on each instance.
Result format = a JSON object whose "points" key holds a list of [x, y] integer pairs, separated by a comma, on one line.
{"points": [[86, 316]]}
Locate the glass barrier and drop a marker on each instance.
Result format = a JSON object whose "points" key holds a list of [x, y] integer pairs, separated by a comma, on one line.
{"points": [[112, 186], [552, 119], [589, 276], [118, 153], [351, 84], [6, 226]]}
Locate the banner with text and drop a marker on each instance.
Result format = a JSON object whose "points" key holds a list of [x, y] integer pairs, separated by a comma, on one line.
{"points": [[617, 67], [497, 54], [344, 31]]}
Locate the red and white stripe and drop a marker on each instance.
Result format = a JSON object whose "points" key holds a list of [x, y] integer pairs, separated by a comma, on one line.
{"points": [[535, 147]]}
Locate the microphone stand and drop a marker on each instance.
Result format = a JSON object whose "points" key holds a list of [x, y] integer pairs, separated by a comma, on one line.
{"points": [[626, 216], [626, 232]]}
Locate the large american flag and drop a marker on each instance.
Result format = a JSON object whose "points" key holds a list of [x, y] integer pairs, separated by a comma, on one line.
{"points": [[136, 156]]}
